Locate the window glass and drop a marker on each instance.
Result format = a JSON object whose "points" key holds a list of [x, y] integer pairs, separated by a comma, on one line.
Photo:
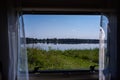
{"points": [[62, 42]]}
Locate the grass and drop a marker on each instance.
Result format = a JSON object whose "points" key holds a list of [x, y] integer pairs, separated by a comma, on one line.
{"points": [[58, 59]]}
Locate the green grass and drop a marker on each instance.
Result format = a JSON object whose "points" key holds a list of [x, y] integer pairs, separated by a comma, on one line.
{"points": [[58, 59]]}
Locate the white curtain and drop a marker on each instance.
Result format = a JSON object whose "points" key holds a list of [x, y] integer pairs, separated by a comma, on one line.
{"points": [[13, 43], [22, 70], [18, 69], [103, 53]]}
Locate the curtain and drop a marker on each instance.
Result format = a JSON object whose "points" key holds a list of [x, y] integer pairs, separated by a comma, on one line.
{"points": [[103, 53], [18, 69], [22, 70]]}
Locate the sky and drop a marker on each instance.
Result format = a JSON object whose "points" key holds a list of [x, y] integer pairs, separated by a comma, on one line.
{"points": [[62, 26]]}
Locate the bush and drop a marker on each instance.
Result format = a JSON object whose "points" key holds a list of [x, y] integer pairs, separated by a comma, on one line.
{"points": [[58, 59]]}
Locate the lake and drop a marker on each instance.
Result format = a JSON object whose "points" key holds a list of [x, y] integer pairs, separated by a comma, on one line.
{"points": [[46, 46]]}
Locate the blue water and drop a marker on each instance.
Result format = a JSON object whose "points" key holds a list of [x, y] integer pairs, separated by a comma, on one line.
{"points": [[62, 46]]}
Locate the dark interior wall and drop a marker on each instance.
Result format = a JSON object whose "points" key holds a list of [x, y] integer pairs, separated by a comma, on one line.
{"points": [[7, 14], [118, 46], [4, 44], [112, 45], [4, 38]]}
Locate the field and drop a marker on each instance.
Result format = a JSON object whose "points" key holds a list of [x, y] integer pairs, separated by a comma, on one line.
{"points": [[59, 60]]}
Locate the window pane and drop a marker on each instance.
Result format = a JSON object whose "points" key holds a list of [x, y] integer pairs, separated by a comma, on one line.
{"points": [[62, 42]]}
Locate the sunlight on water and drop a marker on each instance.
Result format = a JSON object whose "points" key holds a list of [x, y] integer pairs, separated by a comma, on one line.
{"points": [[62, 46]]}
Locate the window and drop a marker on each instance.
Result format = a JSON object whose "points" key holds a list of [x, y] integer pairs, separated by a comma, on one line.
{"points": [[11, 42], [62, 42]]}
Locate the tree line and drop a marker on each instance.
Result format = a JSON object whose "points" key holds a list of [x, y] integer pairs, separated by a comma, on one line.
{"points": [[61, 41]]}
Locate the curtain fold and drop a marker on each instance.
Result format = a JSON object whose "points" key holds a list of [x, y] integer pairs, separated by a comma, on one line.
{"points": [[22, 70], [13, 43], [18, 69], [103, 53]]}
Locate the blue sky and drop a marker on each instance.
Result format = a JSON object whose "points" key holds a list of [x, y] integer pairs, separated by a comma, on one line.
{"points": [[62, 26]]}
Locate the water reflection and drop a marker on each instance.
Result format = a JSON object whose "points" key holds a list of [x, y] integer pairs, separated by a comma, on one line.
{"points": [[46, 46]]}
